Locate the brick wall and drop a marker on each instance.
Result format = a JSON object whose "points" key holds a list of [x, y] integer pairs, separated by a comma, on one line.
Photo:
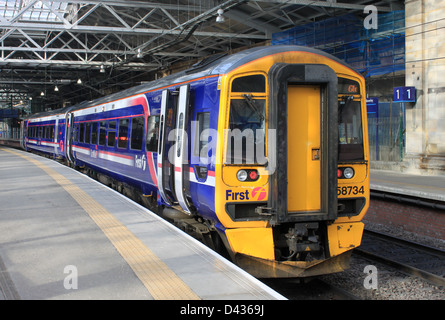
{"points": [[416, 219]]}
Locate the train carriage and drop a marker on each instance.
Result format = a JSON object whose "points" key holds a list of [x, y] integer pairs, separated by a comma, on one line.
{"points": [[45, 133], [262, 154]]}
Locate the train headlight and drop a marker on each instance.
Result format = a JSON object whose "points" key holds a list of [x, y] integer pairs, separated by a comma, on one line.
{"points": [[348, 173], [242, 175]]}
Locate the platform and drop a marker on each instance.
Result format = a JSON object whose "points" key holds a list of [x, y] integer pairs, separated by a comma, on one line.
{"points": [[66, 236], [422, 186]]}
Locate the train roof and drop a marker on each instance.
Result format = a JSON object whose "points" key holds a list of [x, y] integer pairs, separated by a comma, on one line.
{"points": [[214, 65]]}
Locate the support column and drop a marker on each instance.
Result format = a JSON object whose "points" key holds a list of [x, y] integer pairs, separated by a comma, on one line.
{"points": [[425, 69]]}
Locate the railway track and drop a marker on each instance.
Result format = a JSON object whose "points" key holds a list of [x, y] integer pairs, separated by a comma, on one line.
{"points": [[411, 258], [312, 289]]}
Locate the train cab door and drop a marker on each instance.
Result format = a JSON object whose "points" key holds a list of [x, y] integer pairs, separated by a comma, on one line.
{"points": [[165, 157], [181, 155], [303, 109], [303, 154]]}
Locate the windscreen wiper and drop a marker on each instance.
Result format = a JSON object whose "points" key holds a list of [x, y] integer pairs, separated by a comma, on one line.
{"points": [[251, 104]]}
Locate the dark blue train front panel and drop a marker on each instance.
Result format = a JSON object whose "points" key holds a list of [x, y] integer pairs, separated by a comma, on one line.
{"points": [[46, 134], [121, 139]]}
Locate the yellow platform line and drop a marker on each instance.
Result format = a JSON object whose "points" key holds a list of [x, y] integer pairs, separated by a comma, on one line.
{"points": [[157, 277]]}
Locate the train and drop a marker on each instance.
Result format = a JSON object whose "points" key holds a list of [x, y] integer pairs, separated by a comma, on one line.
{"points": [[261, 154]]}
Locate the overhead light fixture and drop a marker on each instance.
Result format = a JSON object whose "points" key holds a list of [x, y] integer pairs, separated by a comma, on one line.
{"points": [[42, 94], [56, 88], [139, 55], [220, 17], [102, 68], [79, 81]]}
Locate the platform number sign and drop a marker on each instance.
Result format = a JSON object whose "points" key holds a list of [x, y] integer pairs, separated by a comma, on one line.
{"points": [[404, 94]]}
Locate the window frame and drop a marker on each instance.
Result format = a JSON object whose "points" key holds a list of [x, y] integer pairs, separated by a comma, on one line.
{"points": [[152, 137], [132, 130], [119, 136]]}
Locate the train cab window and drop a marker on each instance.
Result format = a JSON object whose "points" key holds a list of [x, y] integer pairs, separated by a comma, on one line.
{"points": [[122, 141], [247, 120], [350, 130], [111, 133], [88, 132], [102, 133], [94, 132], [152, 133], [202, 134], [350, 138], [252, 83], [247, 123], [137, 132]]}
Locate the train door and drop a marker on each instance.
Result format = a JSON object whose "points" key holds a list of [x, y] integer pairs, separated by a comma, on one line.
{"points": [[181, 155], [55, 135], [69, 120], [165, 153], [303, 107], [303, 153]]}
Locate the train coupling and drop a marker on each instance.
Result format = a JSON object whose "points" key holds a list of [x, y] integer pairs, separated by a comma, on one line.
{"points": [[303, 238]]}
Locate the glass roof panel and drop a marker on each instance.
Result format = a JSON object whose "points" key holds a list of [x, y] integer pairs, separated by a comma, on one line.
{"points": [[39, 11]]}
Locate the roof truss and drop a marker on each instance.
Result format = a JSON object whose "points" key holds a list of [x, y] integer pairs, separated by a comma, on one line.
{"points": [[97, 39]]}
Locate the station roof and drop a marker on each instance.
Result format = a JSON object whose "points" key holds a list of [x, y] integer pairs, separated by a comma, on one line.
{"points": [[112, 45]]}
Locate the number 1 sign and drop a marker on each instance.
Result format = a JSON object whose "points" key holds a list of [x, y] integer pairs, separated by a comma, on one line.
{"points": [[404, 94]]}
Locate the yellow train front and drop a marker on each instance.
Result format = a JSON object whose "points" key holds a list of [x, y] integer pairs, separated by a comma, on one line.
{"points": [[292, 170]]}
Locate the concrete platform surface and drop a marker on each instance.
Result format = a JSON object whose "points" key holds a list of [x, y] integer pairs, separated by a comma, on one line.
{"points": [[423, 186], [66, 236]]}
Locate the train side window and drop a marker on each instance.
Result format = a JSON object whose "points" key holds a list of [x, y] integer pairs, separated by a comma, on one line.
{"points": [[137, 132], [202, 134], [76, 132], [82, 132], [152, 133], [111, 133], [252, 83], [122, 141], [94, 133], [102, 133], [88, 132], [112, 125]]}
